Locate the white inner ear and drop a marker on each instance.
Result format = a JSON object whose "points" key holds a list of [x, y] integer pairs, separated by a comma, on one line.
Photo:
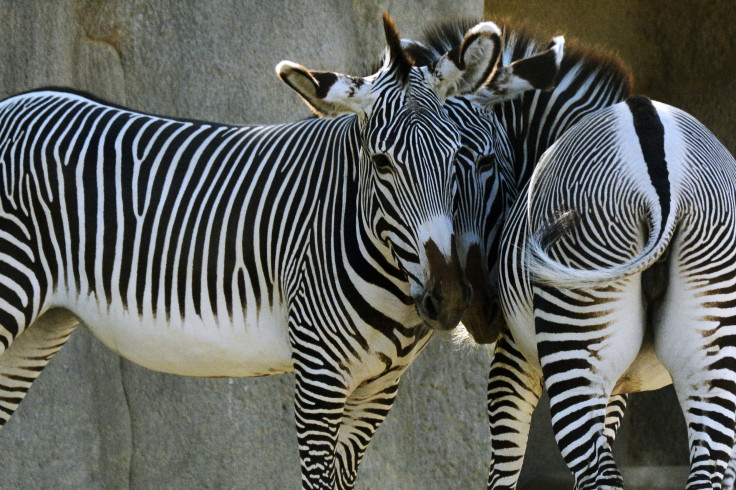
{"points": [[507, 85], [449, 80], [351, 95], [344, 95]]}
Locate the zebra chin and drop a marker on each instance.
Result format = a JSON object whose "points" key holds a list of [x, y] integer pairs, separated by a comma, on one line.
{"points": [[446, 293], [484, 320]]}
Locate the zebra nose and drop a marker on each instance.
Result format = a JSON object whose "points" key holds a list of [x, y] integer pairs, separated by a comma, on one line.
{"points": [[431, 304]]}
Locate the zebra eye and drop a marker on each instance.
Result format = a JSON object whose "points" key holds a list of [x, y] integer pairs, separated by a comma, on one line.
{"points": [[485, 163], [382, 163]]}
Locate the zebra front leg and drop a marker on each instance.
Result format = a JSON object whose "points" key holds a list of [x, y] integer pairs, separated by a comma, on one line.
{"points": [[614, 415], [514, 388], [318, 408], [29, 353], [365, 410]]}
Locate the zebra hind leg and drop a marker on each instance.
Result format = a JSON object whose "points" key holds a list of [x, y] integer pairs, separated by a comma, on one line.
{"points": [[514, 388], [614, 415], [29, 353], [587, 339], [695, 339]]}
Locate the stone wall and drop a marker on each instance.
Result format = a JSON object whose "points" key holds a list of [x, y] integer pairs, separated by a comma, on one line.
{"points": [[93, 420]]}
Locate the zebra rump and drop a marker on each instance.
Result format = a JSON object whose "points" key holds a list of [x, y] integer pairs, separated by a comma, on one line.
{"points": [[654, 192]]}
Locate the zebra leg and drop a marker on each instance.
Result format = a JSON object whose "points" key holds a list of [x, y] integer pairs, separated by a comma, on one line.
{"points": [[695, 339], [365, 410], [709, 415], [318, 408], [614, 415], [514, 388], [26, 357], [729, 478], [586, 340]]}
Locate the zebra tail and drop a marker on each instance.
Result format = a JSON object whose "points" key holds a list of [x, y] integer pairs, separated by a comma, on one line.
{"points": [[544, 269]]}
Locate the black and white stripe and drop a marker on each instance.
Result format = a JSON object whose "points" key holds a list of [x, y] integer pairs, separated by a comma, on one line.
{"points": [[205, 249]]}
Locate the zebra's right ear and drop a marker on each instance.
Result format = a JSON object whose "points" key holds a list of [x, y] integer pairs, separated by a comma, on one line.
{"points": [[537, 72], [326, 93], [466, 67]]}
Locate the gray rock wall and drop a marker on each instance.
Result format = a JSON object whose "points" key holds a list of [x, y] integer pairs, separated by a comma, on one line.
{"points": [[93, 420]]}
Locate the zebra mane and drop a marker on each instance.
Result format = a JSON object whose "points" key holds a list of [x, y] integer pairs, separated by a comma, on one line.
{"points": [[520, 41]]}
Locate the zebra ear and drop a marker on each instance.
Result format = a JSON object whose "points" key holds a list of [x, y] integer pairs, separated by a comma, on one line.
{"points": [[537, 72], [326, 93], [465, 68]]}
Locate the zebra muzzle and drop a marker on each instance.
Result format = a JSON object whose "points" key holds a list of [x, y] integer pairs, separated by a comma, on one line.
{"points": [[447, 293], [483, 318]]}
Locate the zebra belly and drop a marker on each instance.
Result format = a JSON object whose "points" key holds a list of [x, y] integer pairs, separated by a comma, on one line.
{"points": [[254, 345], [646, 373]]}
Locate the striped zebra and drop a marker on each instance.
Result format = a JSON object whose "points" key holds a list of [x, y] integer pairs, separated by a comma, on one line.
{"points": [[323, 247], [620, 278], [483, 167], [587, 81]]}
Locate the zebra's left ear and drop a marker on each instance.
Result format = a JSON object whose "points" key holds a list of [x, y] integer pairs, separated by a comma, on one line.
{"points": [[537, 72], [326, 93], [466, 67]]}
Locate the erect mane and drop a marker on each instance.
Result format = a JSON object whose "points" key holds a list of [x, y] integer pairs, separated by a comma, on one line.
{"points": [[521, 41]]}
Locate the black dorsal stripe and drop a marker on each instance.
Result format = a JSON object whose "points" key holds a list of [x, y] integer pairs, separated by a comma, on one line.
{"points": [[650, 131]]}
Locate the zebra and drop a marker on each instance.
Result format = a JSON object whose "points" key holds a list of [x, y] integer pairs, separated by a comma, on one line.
{"points": [[530, 121], [483, 165], [323, 247], [619, 262]]}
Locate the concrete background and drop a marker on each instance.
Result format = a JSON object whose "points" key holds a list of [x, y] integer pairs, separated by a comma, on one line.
{"points": [[682, 53], [93, 420]]}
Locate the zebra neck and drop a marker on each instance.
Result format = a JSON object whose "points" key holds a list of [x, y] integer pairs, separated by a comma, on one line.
{"points": [[587, 82]]}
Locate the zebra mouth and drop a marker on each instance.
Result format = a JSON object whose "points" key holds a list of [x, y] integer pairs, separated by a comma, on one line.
{"points": [[437, 312]]}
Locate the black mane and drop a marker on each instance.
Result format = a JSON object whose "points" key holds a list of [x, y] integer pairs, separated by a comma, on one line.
{"points": [[521, 41]]}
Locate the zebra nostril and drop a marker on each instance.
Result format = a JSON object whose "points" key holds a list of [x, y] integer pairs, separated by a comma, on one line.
{"points": [[467, 292], [429, 303]]}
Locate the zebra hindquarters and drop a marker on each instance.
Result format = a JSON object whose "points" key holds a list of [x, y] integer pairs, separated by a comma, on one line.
{"points": [[695, 339], [586, 340], [514, 388], [29, 353]]}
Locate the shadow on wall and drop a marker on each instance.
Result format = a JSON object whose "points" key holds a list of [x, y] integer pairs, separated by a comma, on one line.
{"points": [[680, 53]]}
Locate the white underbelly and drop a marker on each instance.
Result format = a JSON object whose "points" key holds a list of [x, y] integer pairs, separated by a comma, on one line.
{"points": [[646, 373], [253, 345]]}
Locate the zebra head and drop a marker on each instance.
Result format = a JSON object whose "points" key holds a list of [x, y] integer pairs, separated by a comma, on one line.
{"points": [[481, 169], [484, 167], [405, 168]]}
